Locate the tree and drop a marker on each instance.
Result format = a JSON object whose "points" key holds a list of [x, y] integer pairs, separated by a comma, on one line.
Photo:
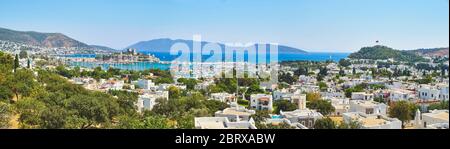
{"points": [[214, 106], [186, 122], [174, 92], [16, 63], [126, 101], [323, 86], [325, 123], [321, 106], [284, 105], [344, 62], [190, 83], [403, 110], [312, 96], [5, 114], [350, 125], [260, 116], [129, 122], [156, 122], [30, 111], [92, 110], [21, 83], [287, 77], [28, 63], [282, 125], [439, 106], [23, 54]]}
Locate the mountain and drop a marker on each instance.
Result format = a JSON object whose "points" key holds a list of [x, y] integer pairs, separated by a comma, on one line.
{"points": [[432, 52], [49, 40], [382, 52], [163, 45]]}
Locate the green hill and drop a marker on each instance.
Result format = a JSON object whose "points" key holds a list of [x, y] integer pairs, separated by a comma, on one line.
{"points": [[382, 52]]}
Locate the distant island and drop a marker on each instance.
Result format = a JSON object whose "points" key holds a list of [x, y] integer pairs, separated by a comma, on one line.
{"points": [[164, 44]]}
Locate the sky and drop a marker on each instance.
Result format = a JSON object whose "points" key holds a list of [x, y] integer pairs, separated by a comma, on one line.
{"points": [[311, 25]]}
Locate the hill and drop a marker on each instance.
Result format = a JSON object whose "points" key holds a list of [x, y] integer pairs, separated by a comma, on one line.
{"points": [[49, 40], [163, 46], [432, 52], [382, 52]]}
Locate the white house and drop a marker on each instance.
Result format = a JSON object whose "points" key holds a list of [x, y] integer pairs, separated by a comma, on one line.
{"points": [[372, 121], [223, 97], [368, 107], [148, 100], [362, 96], [401, 95], [222, 123], [145, 84], [261, 102], [435, 119], [428, 93], [235, 113], [306, 117]]}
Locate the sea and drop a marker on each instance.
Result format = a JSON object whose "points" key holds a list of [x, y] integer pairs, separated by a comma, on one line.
{"points": [[166, 57]]}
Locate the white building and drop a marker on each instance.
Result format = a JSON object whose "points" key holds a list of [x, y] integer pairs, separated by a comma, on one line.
{"points": [[261, 102], [145, 84], [223, 97], [306, 117], [372, 121], [401, 95], [428, 93], [235, 113], [341, 105], [362, 96], [222, 123], [436, 119], [148, 100], [368, 107]]}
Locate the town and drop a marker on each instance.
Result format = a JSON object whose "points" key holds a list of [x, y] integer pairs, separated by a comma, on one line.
{"points": [[353, 93]]}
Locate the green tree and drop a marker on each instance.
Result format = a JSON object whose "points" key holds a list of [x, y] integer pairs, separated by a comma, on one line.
{"points": [[439, 106], [129, 122], [312, 96], [282, 125], [321, 106], [23, 54], [260, 116], [323, 86], [190, 83], [156, 122], [174, 92], [30, 111], [21, 83], [5, 114], [325, 123], [403, 110], [344, 63], [92, 110], [16, 63], [350, 125], [284, 105]]}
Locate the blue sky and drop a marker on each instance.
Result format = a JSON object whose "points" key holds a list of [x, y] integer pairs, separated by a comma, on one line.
{"points": [[313, 25]]}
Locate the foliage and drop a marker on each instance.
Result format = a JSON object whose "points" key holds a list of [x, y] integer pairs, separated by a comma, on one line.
{"points": [[284, 105], [5, 114], [325, 123], [443, 105], [321, 106], [403, 110], [312, 96], [382, 52]]}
